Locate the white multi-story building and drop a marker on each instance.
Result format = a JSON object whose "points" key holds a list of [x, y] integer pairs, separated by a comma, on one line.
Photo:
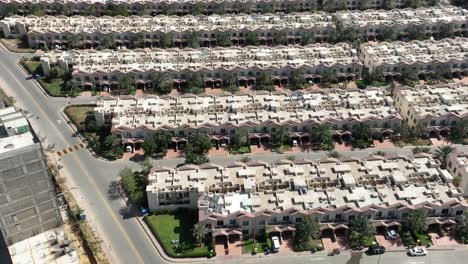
{"points": [[243, 198], [457, 165], [424, 57], [260, 114], [435, 108], [180, 31], [373, 23], [103, 68]]}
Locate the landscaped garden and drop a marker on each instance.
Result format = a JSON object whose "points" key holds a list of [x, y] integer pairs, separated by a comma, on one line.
{"points": [[257, 245], [99, 138], [174, 231]]}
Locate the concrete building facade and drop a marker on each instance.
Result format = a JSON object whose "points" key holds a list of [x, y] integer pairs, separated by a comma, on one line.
{"points": [[244, 198], [28, 204]]}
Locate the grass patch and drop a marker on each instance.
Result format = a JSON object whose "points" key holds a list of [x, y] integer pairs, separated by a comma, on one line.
{"points": [[79, 115], [424, 239], [52, 86], [313, 244], [33, 66], [16, 45], [239, 150], [261, 243], [9, 101], [177, 226]]}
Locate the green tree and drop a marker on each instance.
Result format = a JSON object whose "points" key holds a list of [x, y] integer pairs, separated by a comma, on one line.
{"points": [[459, 131], [280, 38], [240, 138], [280, 137], [308, 229], [362, 232], [389, 4], [230, 83], [193, 40], [334, 154], [389, 34], [126, 84], [363, 4], [442, 153], [111, 147], [416, 32], [197, 148], [420, 149], [446, 31], [72, 87], [322, 135], [410, 76], [106, 42], [56, 72], [199, 232], [252, 39], [134, 185], [136, 41], [264, 82], [415, 222], [307, 38], [165, 40], [414, 3], [223, 39], [38, 11], [73, 41], [119, 11], [157, 145], [328, 76], [195, 84], [198, 9], [161, 83], [297, 80], [362, 136], [461, 229]]}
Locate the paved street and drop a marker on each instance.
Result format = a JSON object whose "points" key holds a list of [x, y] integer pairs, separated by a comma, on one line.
{"points": [[91, 178]]}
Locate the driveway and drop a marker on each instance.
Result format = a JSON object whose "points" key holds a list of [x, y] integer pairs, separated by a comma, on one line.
{"points": [[340, 243], [443, 241], [286, 247], [235, 248], [389, 244]]}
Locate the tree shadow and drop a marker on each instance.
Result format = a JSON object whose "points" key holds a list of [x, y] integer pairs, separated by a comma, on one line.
{"points": [[355, 258], [114, 190], [137, 158]]}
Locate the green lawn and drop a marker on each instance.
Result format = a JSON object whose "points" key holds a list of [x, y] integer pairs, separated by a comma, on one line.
{"points": [[79, 114], [52, 86], [177, 226], [249, 245], [33, 66], [424, 238], [311, 244]]}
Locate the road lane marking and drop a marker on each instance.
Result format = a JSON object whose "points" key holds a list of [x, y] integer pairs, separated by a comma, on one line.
{"points": [[84, 170]]}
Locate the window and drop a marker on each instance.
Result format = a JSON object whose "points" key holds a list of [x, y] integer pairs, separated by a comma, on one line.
{"points": [[286, 218], [351, 217], [232, 222], [261, 222], [245, 223], [459, 212], [445, 211], [298, 220], [219, 223], [338, 216]]}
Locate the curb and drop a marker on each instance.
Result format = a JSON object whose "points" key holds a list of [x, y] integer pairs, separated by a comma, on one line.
{"points": [[75, 130], [34, 81]]}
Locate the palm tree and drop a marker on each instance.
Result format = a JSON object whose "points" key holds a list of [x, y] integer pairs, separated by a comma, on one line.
{"points": [[136, 41], [459, 130], [106, 42], [224, 39], [125, 83], [461, 229], [297, 80], [240, 138], [199, 232], [308, 229], [361, 231], [322, 134], [415, 221], [265, 82], [389, 4], [161, 82], [442, 153], [73, 41]]}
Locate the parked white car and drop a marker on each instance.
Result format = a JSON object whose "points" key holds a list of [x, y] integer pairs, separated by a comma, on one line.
{"points": [[275, 244], [392, 234], [417, 251]]}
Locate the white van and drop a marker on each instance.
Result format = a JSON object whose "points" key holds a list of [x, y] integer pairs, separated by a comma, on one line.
{"points": [[275, 244]]}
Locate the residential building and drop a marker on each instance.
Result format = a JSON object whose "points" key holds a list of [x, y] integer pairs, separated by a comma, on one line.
{"points": [[433, 108], [103, 68], [331, 5], [432, 21], [173, 31], [261, 114], [457, 165], [167, 7], [27, 200], [429, 57], [243, 198]]}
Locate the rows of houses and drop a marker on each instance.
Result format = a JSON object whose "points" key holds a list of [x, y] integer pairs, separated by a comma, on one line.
{"points": [[103, 68], [185, 7], [436, 109], [242, 198], [424, 58], [260, 115], [295, 27]]}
